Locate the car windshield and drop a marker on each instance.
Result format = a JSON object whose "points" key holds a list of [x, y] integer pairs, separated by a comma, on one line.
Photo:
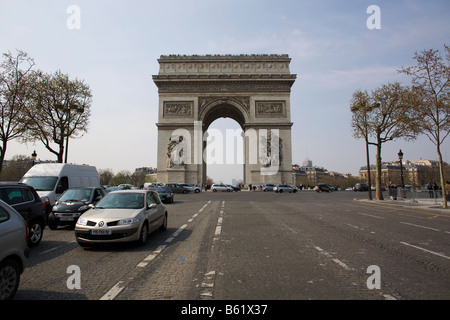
{"points": [[122, 200], [163, 190], [41, 183], [76, 195]]}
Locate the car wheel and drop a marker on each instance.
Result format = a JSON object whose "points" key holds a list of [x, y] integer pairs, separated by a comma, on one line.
{"points": [[52, 225], [36, 230], [280, 191], [143, 237], [9, 279], [214, 190], [164, 224], [184, 191]]}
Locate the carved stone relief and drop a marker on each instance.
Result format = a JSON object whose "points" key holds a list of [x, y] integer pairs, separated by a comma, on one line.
{"points": [[268, 109], [178, 109]]}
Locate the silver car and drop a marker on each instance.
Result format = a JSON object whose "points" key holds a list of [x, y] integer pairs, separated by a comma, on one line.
{"points": [[285, 188], [121, 216], [221, 187], [14, 251]]}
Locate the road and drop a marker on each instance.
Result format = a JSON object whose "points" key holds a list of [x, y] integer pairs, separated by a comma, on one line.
{"points": [[256, 246]]}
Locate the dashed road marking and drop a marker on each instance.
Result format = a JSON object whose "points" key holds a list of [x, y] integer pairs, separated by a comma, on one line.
{"points": [[426, 250]]}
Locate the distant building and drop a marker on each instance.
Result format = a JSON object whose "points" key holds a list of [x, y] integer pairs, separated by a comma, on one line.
{"points": [[307, 174], [418, 172]]}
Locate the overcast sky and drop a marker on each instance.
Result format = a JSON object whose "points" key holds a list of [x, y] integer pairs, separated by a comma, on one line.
{"points": [[334, 53]]}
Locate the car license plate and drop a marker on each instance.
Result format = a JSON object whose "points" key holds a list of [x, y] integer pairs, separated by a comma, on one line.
{"points": [[66, 218], [100, 232]]}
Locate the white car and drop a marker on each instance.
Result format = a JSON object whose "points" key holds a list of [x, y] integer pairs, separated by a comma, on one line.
{"points": [[221, 187], [192, 188]]}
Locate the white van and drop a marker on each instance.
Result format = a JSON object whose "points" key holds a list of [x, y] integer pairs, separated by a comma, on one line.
{"points": [[51, 179]]}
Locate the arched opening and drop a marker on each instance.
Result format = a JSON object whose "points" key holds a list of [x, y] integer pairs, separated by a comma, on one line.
{"points": [[224, 151]]}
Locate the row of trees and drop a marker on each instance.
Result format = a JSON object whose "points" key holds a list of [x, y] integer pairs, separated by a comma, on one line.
{"points": [[393, 111], [38, 106], [138, 178]]}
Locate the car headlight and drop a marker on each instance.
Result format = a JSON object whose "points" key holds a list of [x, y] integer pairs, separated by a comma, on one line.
{"points": [[128, 221], [82, 221], [83, 208]]}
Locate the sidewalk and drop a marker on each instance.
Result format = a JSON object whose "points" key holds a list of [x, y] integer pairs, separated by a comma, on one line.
{"points": [[429, 205]]}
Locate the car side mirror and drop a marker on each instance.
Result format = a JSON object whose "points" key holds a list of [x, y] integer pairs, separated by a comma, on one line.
{"points": [[152, 206]]}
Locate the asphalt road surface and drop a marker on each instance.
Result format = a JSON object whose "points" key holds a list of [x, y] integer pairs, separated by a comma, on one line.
{"points": [[256, 246]]}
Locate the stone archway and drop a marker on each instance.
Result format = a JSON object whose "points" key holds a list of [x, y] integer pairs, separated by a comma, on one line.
{"points": [[254, 90]]}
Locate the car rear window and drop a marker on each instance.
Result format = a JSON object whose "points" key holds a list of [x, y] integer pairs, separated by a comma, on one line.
{"points": [[17, 195]]}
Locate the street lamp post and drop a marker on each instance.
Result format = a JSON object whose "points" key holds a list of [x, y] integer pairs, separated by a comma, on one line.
{"points": [[400, 157]]}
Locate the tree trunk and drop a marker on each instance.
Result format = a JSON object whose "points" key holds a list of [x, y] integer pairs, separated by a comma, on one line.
{"points": [[379, 191], [2, 155], [369, 181], [441, 171]]}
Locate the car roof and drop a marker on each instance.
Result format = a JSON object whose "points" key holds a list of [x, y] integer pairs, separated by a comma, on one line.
{"points": [[12, 183], [131, 191]]}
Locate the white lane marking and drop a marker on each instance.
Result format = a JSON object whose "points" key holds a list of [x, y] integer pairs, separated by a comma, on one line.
{"points": [[343, 265], [419, 226], [370, 215], [426, 250], [339, 262], [218, 230], [111, 294]]}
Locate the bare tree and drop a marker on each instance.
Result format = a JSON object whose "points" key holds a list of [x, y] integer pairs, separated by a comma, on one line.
{"points": [[60, 111], [14, 84], [386, 116], [431, 83], [105, 175]]}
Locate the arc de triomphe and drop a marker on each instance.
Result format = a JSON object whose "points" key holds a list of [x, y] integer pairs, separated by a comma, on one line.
{"points": [[254, 90]]}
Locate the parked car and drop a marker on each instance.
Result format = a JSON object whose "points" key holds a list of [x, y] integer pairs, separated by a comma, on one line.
{"points": [[177, 188], [234, 188], [361, 187], [191, 187], [165, 194], [25, 200], [221, 187], [268, 187], [285, 188], [72, 204], [152, 185], [126, 186], [14, 252], [122, 216], [323, 188]]}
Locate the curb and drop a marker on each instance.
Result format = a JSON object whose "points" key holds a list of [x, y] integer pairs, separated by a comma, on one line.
{"points": [[415, 207]]}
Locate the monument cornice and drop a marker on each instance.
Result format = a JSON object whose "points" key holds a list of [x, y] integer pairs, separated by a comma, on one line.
{"points": [[224, 83]]}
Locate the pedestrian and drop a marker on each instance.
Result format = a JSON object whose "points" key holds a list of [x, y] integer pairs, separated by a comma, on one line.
{"points": [[430, 189]]}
